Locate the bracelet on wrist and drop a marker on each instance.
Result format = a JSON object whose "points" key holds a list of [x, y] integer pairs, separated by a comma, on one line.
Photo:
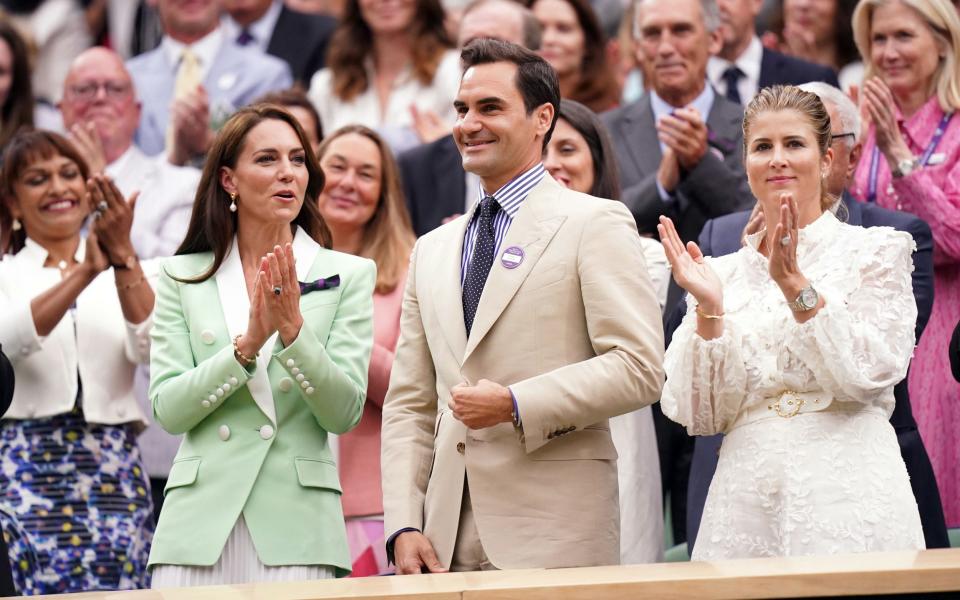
{"points": [[242, 358], [129, 286], [708, 316], [128, 263]]}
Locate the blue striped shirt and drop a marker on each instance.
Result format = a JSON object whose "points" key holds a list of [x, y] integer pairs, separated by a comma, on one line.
{"points": [[509, 197]]}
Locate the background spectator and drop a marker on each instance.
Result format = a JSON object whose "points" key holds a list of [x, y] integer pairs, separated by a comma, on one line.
{"points": [[75, 329], [298, 38], [818, 31], [912, 162], [203, 75], [296, 102], [16, 95], [362, 203], [575, 46], [390, 67]]}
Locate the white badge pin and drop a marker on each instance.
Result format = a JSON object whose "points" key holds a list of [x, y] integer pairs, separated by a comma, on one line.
{"points": [[936, 158], [512, 257], [227, 81]]}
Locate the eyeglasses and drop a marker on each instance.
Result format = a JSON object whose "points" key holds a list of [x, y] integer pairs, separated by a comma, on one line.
{"points": [[113, 90], [839, 136]]}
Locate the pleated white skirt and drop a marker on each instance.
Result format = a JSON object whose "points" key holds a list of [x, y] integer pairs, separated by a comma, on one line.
{"points": [[238, 564]]}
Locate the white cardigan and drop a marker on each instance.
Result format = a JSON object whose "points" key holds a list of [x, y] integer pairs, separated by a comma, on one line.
{"points": [[94, 339]]}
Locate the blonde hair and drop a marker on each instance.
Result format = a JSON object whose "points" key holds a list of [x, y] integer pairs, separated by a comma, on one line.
{"points": [[388, 236], [941, 17], [787, 97]]}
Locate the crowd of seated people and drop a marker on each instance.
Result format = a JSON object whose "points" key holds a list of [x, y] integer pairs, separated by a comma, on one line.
{"points": [[304, 289]]}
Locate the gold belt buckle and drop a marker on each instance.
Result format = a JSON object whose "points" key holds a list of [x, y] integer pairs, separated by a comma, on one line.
{"points": [[794, 404]]}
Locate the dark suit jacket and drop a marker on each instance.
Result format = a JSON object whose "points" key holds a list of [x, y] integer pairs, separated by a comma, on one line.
{"points": [[777, 68], [433, 182], [715, 187], [722, 236], [301, 39]]}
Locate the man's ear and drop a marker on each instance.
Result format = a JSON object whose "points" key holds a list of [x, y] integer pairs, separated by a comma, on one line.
{"points": [[714, 42], [855, 154], [544, 117]]}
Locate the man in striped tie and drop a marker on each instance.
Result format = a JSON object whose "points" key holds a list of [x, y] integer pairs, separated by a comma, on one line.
{"points": [[526, 324]]}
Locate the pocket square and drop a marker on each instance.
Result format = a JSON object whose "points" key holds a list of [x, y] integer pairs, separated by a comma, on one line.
{"points": [[324, 283]]}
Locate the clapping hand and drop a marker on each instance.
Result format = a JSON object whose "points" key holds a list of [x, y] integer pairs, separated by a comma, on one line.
{"points": [[690, 271], [85, 137], [190, 117], [685, 133], [783, 266], [113, 218], [275, 302], [878, 103]]}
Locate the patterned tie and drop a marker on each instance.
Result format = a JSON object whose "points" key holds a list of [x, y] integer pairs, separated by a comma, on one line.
{"points": [[245, 37], [480, 262], [732, 76], [186, 83]]}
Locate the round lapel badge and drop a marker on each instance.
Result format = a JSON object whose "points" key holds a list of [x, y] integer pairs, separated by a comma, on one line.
{"points": [[512, 257]]}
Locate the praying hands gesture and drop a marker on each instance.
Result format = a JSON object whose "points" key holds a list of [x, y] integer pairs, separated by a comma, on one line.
{"points": [[878, 103], [274, 302]]}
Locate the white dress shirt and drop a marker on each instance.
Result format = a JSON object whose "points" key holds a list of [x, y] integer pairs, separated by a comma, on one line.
{"points": [[749, 64], [260, 30], [205, 49]]}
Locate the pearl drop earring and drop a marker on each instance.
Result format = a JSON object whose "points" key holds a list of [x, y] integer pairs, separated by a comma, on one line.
{"points": [[16, 226], [233, 202]]}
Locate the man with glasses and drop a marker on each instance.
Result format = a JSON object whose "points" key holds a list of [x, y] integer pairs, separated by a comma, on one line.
{"points": [[101, 111], [724, 235]]}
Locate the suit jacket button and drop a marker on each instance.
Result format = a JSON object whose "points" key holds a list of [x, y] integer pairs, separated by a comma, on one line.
{"points": [[207, 337], [309, 391], [212, 398], [224, 432], [290, 362], [234, 381], [225, 387], [205, 404], [295, 371], [301, 377], [304, 384], [266, 432], [285, 384], [461, 447]]}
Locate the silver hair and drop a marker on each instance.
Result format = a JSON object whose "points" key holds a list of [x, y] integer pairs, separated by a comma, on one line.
{"points": [[846, 109], [711, 16]]}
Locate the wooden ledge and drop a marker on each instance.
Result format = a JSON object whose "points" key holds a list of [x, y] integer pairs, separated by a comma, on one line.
{"points": [[802, 577]]}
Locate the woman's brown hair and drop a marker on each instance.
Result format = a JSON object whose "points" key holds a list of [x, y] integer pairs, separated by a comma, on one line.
{"points": [[27, 147], [597, 86], [388, 236], [212, 224], [17, 111], [352, 44], [787, 97]]}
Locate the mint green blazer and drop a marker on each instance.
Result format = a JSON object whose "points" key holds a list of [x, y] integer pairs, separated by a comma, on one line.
{"points": [[257, 444]]}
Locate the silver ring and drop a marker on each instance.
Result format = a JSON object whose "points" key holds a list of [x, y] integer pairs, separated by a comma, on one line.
{"points": [[276, 290], [102, 206], [785, 240]]}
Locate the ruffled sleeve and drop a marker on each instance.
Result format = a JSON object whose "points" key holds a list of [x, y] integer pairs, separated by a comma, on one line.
{"points": [[706, 379], [858, 346]]}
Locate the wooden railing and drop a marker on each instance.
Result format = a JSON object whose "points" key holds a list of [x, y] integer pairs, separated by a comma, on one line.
{"points": [[911, 573]]}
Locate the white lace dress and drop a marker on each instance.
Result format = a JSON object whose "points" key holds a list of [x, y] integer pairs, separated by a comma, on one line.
{"points": [[828, 479]]}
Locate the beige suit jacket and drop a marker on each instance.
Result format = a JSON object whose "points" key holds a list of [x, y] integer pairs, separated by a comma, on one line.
{"points": [[575, 331]]}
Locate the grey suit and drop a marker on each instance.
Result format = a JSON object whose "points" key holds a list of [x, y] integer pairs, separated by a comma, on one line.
{"points": [[715, 187], [237, 76]]}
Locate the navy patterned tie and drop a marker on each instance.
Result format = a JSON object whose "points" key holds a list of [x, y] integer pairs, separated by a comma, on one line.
{"points": [[732, 76], [480, 262]]}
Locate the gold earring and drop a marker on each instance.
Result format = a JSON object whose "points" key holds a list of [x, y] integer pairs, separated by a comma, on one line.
{"points": [[233, 202], [16, 226]]}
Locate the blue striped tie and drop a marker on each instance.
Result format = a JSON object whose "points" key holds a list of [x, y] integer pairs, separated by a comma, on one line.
{"points": [[480, 262]]}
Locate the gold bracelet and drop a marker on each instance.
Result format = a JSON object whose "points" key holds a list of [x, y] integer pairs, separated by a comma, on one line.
{"points": [[706, 316], [240, 356], [129, 286]]}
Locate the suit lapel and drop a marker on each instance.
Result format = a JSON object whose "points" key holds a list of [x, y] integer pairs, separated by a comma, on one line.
{"points": [[725, 122], [444, 256], [854, 209], [531, 231], [641, 129]]}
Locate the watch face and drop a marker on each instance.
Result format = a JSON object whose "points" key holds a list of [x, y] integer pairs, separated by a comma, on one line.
{"points": [[808, 296]]}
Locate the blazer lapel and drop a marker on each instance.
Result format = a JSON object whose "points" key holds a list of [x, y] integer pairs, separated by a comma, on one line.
{"points": [[446, 254], [236, 310], [641, 129], [854, 210], [531, 231]]}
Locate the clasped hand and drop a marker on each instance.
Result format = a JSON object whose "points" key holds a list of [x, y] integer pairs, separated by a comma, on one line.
{"points": [[108, 241], [483, 405], [274, 302]]}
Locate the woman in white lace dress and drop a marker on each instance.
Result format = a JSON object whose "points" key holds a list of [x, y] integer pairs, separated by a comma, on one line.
{"points": [[791, 347]]}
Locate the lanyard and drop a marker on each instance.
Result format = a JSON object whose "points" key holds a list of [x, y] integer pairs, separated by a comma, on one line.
{"points": [[924, 158]]}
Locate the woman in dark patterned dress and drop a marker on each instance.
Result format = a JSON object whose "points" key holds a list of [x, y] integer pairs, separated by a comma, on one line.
{"points": [[75, 503]]}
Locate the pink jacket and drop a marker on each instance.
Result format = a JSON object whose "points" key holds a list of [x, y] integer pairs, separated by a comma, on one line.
{"points": [[359, 460]]}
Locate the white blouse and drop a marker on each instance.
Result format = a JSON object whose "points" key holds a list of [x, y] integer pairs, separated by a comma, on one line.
{"points": [[856, 348], [394, 121], [93, 339]]}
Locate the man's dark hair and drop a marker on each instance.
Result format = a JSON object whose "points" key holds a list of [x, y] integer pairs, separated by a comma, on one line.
{"points": [[536, 80]]}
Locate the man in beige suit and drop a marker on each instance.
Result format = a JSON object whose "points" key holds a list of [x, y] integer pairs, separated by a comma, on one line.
{"points": [[526, 324]]}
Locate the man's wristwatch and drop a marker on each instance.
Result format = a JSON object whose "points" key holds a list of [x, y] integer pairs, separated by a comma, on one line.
{"points": [[807, 300], [905, 167]]}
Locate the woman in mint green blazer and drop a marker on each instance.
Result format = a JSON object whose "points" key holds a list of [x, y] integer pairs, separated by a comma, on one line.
{"points": [[261, 341]]}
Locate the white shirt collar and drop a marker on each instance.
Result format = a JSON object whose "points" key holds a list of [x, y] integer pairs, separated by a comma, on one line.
{"points": [[35, 254], [748, 62], [702, 103], [261, 29], [206, 49]]}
